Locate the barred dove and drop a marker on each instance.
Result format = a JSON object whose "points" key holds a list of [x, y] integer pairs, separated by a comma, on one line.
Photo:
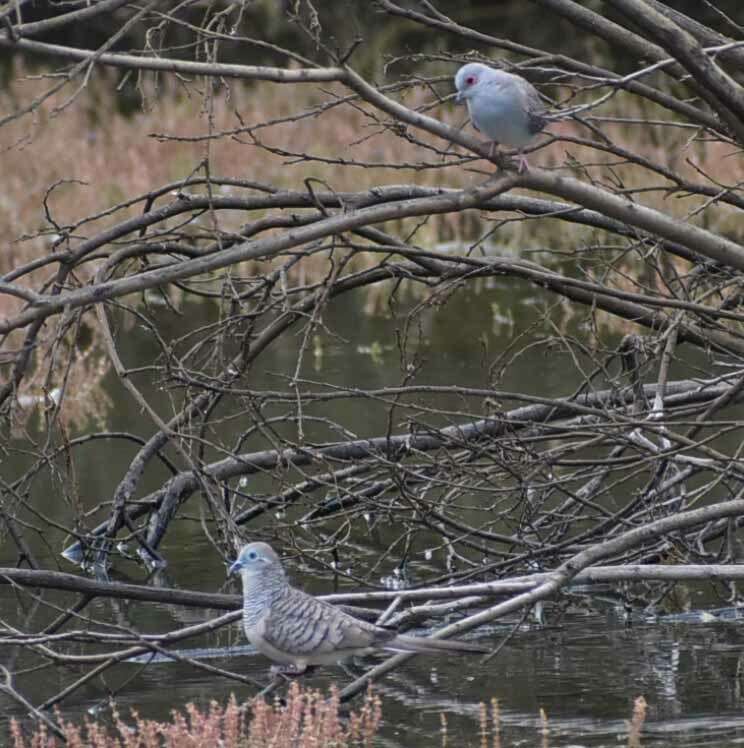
{"points": [[504, 107], [298, 630]]}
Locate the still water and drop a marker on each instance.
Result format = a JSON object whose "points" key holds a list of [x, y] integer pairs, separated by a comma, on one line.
{"points": [[584, 663]]}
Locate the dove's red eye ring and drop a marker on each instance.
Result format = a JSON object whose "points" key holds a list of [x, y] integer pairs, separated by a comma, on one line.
{"points": [[470, 80]]}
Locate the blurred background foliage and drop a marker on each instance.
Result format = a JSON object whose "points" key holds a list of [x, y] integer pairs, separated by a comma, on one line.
{"points": [[344, 21]]}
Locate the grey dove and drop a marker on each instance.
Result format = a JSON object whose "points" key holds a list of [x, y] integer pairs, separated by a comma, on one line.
{"points": [[297, 630], [504, 107]]}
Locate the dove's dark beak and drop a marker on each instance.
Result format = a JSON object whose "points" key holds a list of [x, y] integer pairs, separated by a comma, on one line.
{"points": [[235, 567], [459, 98]]}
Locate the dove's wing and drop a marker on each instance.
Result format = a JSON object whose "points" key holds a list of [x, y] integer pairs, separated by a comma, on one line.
{"points": [[525, 97], [533, 106], [304, 627]]}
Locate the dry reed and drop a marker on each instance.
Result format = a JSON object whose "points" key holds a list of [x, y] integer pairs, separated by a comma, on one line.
{"points": [[636, 723], [307, 719]]}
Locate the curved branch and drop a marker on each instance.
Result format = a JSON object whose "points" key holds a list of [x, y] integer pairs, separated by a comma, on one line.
{"points": [[183, 67]]}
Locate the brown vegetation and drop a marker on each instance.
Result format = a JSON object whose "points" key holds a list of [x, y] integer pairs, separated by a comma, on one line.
{"points": [[87, 158], [306, 720]]}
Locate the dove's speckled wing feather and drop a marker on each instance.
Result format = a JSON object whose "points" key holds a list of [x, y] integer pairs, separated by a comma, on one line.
{"points": [[308, 628]]}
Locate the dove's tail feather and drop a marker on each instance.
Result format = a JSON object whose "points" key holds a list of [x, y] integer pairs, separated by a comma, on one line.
{"points": [[403, 643]]}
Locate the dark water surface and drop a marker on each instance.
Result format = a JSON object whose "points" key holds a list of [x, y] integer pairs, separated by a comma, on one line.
{"points": [[585, 664]]}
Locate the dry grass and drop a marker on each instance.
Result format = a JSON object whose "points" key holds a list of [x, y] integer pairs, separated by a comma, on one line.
{"points": [[490, 728], [635, 726], [307, 720], [97, 161], [98, 157]]}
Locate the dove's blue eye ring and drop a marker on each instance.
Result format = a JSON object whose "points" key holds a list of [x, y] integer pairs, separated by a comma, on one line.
{"points": [[252, 556]]}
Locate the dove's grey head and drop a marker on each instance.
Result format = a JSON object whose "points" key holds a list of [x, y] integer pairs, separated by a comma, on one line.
{"points": [[257, 559], [469, 77]]}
